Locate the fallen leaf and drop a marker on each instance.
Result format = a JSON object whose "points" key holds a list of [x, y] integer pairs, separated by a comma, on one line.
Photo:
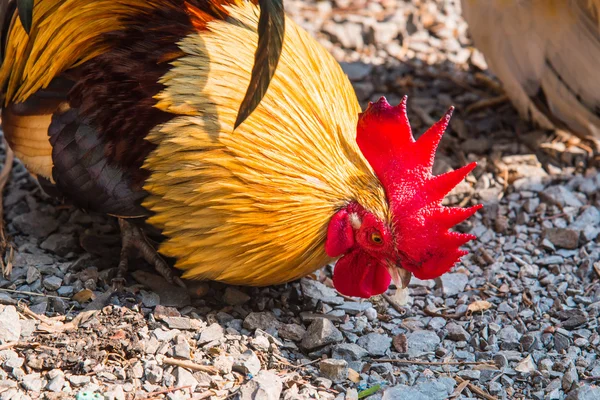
{"points": [[480, 305], [84, 296], [353, 375]]}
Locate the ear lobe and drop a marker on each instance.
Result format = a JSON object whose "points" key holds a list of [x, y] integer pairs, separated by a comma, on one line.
{"points": [[340, 235]]}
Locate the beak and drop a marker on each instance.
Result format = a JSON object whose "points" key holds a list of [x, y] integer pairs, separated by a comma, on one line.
{"points": [[400, 276]]}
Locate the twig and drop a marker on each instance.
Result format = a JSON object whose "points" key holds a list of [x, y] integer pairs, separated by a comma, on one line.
{"points": [[33, 294], [432, 363], [459, 389], [190, 365], [394, 304], [477, 390]]}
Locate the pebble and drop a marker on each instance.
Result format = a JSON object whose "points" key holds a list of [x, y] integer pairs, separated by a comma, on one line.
{"points": [[185, 378], [420, 342], [211, 333], [32, 382], [235, 297], [247, 363], [457, 332], [335, 370], [293, 332], [265, 321], [509, 338], [349, 352], [10, 328], [452, 283], [266, 385], [320, 333], [375, 344]]}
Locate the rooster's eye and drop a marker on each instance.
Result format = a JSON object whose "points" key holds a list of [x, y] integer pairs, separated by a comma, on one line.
{"points": [[376, 238]]}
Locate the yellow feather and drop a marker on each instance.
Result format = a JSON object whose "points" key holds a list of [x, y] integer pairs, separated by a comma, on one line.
{"points": [[252, 206], [65, 34]]}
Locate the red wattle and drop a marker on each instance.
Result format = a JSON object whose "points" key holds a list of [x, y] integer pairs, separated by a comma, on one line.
{"points": [[359, 275]]}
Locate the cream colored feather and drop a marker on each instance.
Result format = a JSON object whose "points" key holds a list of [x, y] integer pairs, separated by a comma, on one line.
{"points": [[252, 206], [543, 46]]}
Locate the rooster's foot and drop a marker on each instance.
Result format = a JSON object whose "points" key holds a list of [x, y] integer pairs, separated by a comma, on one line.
{"points": [[133, 237]]}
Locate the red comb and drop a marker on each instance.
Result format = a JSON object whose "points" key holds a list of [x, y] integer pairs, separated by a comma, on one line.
{"points": [[404, 168]]}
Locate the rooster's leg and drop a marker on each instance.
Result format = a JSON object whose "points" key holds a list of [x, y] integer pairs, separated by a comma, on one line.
{"points": [[133, 237], [5, 246]]}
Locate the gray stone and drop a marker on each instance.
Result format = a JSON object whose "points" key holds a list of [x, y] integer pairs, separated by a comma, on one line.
{"points": [[185, 378], [79, 380], [265, 386], [60, 244], [570, 379], [36, 223], [182, 348], [438, 389], [234, 297], [336, 370], [562, 237], [52, 283], [420, 342], [33, 382], [452, 283], [561, 196], [356, 71], [10, 328], [472, 375], [585, 392], [509, 338], [224, 364], [292, 332], [371, 314], [353, 308], [56, 384], [376, 344], [211, 333], [349, 352], [247, 363], [150, 299], [457, 333], [321, 332], [178, 323], [261, 320]]}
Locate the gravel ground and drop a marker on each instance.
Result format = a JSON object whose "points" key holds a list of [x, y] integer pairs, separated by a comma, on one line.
{"points": [[518, 318]]}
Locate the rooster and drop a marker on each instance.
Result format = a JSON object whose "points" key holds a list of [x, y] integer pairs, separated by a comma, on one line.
{"points": [[546, 54], [130, 109]]}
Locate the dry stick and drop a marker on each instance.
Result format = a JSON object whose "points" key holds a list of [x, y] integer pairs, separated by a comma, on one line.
{"points": [[434, 363], [477, 390], [33, 294], [394, 303], [459, 389], [4, 176], [190, 365], [486, 103]]}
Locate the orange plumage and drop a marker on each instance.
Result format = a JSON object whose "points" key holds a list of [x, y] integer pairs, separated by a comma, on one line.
{"points": [[140, 103]]}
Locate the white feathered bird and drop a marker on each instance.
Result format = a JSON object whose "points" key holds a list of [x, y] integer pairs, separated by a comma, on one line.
{"points": [[547, 55]]}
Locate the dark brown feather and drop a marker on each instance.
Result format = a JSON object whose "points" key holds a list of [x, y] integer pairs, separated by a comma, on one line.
{"points": [[271, 31]]}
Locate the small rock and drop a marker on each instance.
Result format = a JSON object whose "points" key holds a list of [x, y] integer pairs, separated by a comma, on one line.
{"points": [[60, 244], [570, 379], [292, 332], [32, 382], [526, 365], [234, 297], [247, 363], [420, 342], [264, 386], [182, 323], [351, 394], [452, 283], [56, 383], [457, 332], [585, 392], [562, 237], [52, 283], [182, 348], [320, 333], [211, 333], [10, 328], [224, 364], [437, 389], [376, 344], [150, 299], [371, 314], [336, 370], [261, 320], [185, 378], [561, 196], [509, 338], [79, 380], [349, 352], [36, 224]]}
